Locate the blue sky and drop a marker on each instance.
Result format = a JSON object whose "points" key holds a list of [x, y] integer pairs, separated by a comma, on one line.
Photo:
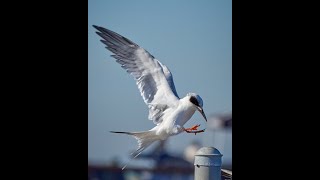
{"points": [[193, 38]]}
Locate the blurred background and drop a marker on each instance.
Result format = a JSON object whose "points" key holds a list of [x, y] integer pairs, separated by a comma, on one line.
{"points": [[194, 39]]}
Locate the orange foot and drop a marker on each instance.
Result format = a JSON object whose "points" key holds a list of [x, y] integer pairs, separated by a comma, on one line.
{"points": [[194, 129]]}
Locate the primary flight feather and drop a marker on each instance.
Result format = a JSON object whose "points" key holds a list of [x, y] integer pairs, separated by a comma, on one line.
{"points": [[155, 83]]}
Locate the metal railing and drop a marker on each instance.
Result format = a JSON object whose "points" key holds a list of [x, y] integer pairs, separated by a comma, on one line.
{"points": [[207, 166]]}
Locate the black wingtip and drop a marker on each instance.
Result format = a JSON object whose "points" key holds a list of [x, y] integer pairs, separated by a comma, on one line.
{"points": [[98, 27], [121, 132], [116, 132]]}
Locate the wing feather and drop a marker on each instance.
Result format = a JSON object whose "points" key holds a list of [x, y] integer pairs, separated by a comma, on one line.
{"points": [[154, 80]]}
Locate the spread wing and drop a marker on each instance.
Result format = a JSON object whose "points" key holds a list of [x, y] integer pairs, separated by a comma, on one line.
{"points": [[154, 80]]}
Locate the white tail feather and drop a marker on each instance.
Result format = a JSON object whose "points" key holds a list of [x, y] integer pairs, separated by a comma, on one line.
{"points": [[144, 138]]}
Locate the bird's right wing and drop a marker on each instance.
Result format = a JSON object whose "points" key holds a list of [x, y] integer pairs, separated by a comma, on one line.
{"points": [[169, 78], [153, 79]]}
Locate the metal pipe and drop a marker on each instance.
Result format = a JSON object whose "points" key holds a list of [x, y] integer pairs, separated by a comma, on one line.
{"points": [[207, 164]]}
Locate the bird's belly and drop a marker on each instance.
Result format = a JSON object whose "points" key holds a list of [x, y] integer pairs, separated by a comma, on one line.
{"points": [[162, 134], [182, 118], [168, 129], [173, 123]]}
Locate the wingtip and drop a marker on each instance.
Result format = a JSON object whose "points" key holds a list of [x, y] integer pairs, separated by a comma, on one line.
{"points": [[99, 28]]}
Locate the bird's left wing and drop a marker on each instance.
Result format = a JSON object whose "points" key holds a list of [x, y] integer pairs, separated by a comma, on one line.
{"points": [[154, 80]]}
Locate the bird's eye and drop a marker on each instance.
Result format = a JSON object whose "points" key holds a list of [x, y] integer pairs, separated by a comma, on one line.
{"points": [[194, 101]]}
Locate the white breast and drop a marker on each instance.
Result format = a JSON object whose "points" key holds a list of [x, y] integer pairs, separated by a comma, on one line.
{"points": [[184, 115], [174, 119]]}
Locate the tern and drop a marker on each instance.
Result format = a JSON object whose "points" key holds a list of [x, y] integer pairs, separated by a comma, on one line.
{"points": [[155, 82]]}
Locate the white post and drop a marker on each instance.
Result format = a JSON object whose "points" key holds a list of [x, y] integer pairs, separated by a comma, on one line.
{"points": [[207, 164]]}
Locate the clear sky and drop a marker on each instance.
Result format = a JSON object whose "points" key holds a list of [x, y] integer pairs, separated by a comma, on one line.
{"points": [[192, 37]]}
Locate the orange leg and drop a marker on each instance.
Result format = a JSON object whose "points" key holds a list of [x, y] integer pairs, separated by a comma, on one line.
{"points": [[194, 129]]}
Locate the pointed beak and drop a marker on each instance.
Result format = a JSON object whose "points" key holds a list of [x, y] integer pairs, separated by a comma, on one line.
{"points": [[201, 111]]}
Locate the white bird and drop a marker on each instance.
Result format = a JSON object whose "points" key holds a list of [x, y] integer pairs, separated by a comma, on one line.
{"points": [[157, 89]]}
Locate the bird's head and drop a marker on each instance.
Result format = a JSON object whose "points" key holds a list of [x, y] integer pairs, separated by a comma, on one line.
{"points": [[196, 100]]}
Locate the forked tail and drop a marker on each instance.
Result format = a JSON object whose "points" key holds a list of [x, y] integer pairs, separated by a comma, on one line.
{"points": [[144, 138]]}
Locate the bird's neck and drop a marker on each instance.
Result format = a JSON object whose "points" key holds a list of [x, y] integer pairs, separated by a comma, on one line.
{"points": [[187, 109], [185, 102]]}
